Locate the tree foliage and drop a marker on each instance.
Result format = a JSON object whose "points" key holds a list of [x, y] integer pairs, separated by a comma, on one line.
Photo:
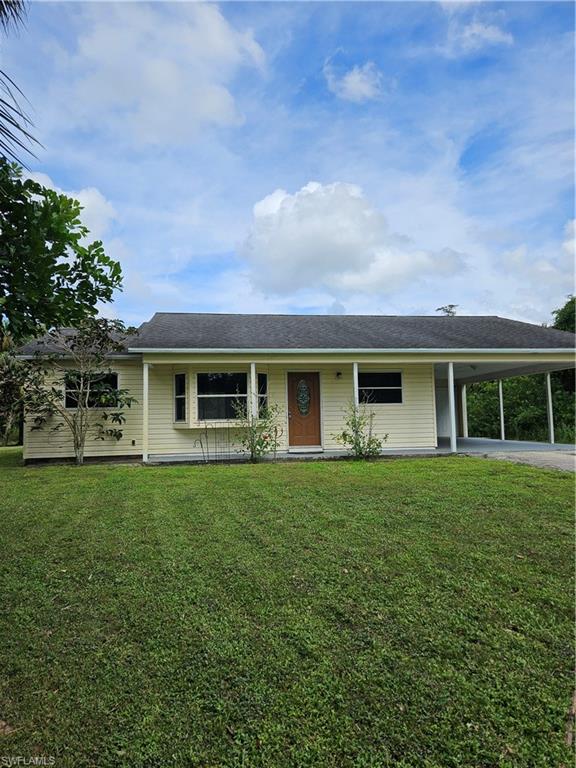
{"points": [[525, 399], [49, 275], [80, 360]]}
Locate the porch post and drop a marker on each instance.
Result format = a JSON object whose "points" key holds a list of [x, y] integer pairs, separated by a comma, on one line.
{"points": [[550, 408], [501, 400], [355, 384], [452, 408], [464, 402], [145, 412], [253, 391]]}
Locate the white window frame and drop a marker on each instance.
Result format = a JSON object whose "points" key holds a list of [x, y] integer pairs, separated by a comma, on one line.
{"points": [[237, 396], [361, 388], [91, 407], [176, 397]]}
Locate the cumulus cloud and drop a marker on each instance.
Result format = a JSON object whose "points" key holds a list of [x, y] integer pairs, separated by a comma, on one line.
{"points": [[359, 84], [158, 72], [329, 237]]}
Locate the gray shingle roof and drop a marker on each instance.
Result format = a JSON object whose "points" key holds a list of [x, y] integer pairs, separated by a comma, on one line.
{"points": [[167, 330]]}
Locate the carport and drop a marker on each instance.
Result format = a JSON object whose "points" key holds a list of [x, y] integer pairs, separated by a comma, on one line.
{"points": [[451, 381]]}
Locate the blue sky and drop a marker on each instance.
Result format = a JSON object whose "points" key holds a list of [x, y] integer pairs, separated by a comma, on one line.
{"points": [[313, 157]]}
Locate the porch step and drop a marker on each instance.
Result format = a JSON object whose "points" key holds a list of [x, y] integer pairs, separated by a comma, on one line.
{"points": [[306, 449]]}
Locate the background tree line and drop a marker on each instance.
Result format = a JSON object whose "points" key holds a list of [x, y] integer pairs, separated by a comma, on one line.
{"points": [[525, 399]]}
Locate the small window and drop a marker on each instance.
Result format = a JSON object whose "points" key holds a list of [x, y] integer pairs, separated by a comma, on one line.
{"points": [[103, 388], [262, 393], [180, 397], [219, 394], [380, 387]]}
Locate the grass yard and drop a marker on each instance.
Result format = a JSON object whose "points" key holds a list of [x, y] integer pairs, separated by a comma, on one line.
{"points": [[402, 613]]}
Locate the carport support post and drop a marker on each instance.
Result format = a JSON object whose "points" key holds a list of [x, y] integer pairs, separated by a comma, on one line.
{"points": [[464, 401], [355, 384], [550, 408], [452, 408], [145, 412], [253, 391], [501, 399]]}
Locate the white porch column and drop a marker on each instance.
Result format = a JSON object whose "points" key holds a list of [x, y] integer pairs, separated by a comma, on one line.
{"points": [[550, 408], [145, 412], [253, 391], [355, 384], [464, 403], [452, 408], [501, 401]]}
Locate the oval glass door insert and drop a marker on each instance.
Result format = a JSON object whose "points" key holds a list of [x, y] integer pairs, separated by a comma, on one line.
{"points": [[303, 397]]}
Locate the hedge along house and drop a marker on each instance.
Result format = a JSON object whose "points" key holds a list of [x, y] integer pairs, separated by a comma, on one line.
{"points": [[187, 370]]}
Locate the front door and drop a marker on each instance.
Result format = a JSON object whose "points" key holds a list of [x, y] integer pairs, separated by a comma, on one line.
{"points": [[304, 409]]}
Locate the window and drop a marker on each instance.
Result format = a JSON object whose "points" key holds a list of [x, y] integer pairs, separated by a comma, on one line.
{"points": [[180, 397], [380, 387], [219, 392], [262, 393], [103, 387]]}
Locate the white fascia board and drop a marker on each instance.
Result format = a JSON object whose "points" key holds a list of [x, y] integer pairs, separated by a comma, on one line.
{"points": [[347, 351]]}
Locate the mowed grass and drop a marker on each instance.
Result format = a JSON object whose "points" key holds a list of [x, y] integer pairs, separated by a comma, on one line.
{"points": [[396, 613]]}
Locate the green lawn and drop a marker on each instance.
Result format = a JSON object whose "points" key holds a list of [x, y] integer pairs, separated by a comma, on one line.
{"points": [[402, 613]]}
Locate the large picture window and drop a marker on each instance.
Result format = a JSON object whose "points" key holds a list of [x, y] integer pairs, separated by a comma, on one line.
{"points": [[380, 387], [179, 397], [218, 393], [103, 387]]}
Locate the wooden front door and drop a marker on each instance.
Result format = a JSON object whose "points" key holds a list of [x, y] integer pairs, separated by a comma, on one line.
{"points": [[304, 409]]}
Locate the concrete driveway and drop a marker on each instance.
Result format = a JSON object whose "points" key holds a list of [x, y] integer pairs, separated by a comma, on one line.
{"points": [[565, 460]]}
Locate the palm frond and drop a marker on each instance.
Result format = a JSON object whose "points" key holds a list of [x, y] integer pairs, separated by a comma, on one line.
{"points": [[12, 13]]}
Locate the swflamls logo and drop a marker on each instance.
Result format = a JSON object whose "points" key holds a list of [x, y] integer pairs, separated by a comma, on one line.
{"points": [[10, 761]]}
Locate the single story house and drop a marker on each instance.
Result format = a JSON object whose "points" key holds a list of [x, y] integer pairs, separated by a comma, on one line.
{"points": [[187, 369]]}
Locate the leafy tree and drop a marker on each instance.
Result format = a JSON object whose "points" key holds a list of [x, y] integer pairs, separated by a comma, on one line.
{"points": [[13, 381], [77, 363], [49, 276], [565, 317], [448, 309]]}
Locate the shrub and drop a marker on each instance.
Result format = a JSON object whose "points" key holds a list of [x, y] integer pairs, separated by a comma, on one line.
{"points": [[258, 436], [358, 435]]}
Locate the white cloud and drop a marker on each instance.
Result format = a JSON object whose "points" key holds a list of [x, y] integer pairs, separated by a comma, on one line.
{"points": [[329, 237], [154, 73], [463, 39], [547, 271], [569, 244], [359, 84]]}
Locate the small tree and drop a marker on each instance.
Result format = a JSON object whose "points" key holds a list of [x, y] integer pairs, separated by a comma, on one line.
{"points": [[448, 309], [258, 436], [70, 383], [14, 375], [358, 435]]}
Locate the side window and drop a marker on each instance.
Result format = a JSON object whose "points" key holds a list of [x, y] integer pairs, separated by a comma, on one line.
{"points": [[102, 389], [179, 397]]}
